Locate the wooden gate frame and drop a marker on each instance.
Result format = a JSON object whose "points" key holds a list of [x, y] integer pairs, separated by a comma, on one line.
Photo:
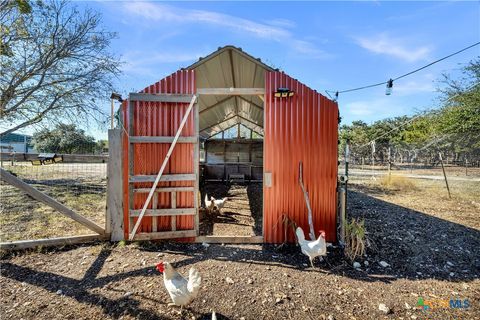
{"points": [[153, 191], [42, 197]]}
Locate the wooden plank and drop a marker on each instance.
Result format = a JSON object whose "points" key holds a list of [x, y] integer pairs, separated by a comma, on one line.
{"points": [[165, 189], [131, 132], [67, 158], [147, 139], [162, 168], [173, 219], [231, 91], [160, 97], [196, 167], [114, 218], [62, 241], [164, 212], [229, 239], [36, 194], [165, 235], [167, 177], [155, 206]]}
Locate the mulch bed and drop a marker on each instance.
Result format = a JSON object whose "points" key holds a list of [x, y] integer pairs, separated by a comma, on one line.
{"points": [[428, 258]]}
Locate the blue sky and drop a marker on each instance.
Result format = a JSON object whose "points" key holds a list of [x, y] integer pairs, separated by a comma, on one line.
{"points": [[326, 45]]}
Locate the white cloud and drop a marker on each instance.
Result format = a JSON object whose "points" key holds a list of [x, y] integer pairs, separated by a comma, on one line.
{"points": [[413, 87], [380, 107], [384, 44], [137, 62], [275, 30]]}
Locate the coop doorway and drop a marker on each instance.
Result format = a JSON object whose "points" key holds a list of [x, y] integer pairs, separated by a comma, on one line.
{"points": [[231, 165]]}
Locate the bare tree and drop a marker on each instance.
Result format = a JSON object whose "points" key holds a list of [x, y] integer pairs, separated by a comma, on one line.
{"points": [[55, 64]]}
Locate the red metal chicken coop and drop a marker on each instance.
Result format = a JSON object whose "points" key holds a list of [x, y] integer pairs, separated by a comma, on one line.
{"points": [[226, 88]]}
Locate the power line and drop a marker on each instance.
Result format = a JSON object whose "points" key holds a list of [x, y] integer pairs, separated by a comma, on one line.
{"points": [[403, 75]]}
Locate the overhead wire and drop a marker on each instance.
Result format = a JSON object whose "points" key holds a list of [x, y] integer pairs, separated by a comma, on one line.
{"points": [[411, 119], [403, 75]]}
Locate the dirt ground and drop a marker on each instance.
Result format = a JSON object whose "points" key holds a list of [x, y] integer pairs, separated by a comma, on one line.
{"points": [[241, 215], [429, 242]]}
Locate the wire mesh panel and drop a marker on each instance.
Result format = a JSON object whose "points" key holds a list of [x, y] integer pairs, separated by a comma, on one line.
{"points": [[77, 181]]}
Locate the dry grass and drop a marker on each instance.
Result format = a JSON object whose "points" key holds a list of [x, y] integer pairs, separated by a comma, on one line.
{"points": [[356, 240], [22, 217], [397, 183]]}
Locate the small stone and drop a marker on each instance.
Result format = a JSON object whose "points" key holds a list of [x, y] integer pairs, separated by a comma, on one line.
{"points": [[205, 245], [59, 292], [356, 265], [278, 300], [330, 317], [229, 280], [249, 281], [127, 294], [366, 263], [382, 307], [451, 274], [450, 264], [383, 264], [407, 306], [413, 316]]}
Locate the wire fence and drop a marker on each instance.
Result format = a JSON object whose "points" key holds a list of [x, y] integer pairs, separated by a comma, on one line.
{"points": [[421, 160], [78, 181]]}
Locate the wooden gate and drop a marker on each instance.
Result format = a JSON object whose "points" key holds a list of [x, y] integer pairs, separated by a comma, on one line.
{"points": [[101, 233], [163, 156]]}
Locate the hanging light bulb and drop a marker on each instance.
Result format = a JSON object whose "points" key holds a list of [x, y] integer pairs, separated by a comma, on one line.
{"points": [[388, 91]]}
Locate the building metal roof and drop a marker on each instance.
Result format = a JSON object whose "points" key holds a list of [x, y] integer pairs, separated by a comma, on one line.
{"points": [[229, 67]]}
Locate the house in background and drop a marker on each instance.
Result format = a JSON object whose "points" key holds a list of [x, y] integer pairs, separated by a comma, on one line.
{"points": [[14, 142]]}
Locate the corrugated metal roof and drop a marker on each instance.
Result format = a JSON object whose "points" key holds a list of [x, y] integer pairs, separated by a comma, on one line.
{"points": [[226, 68]]}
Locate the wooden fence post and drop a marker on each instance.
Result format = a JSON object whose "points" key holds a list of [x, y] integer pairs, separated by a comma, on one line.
{"points": [[445, 175], [114, 216]]}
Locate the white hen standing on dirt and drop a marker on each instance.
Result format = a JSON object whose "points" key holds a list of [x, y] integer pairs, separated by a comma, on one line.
{"points": [[208, 204], [180, 290], [218, 204], [312, 249]]}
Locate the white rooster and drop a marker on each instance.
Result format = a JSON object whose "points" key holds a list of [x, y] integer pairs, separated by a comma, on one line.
{"points": [[180, 290], [218, 203], [312, 249]]}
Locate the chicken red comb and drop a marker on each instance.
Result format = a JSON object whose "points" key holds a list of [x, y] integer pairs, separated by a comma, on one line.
{"points": [[322, 233], [160, 267]]}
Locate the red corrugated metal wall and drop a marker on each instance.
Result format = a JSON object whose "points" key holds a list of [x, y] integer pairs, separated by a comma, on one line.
{"points": [[161, 119], [301, 128]]}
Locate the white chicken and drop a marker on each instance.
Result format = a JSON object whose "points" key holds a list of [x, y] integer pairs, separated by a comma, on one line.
{"points": [[218, 204], [208, 204], [180, 290], [312, 249]]}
